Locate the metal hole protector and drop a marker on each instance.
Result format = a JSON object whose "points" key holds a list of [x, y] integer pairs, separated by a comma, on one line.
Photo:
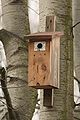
{"points": [[40, 46]]}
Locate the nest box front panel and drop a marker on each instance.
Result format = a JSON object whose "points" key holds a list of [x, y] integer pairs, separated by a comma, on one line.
{"points": [[39, 64]]}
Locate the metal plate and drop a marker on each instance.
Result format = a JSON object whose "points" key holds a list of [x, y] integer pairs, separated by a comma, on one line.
{"points": [[40, 46]]}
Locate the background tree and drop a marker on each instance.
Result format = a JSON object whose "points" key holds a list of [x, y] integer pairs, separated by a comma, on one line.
{"points": [[63, 97]]}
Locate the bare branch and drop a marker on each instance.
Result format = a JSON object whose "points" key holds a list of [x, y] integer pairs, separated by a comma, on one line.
{"points": [[75, 24], [77, 118], [77, 104], [74, 27], [76, 79]]}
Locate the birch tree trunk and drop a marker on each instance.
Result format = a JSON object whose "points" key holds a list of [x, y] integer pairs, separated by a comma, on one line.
{"points": [[15, 16], [76, 30], [63, 97], [15, 21]]}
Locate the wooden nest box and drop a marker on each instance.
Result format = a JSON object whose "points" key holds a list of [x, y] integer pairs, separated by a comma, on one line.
{"points": [[44, 60]]}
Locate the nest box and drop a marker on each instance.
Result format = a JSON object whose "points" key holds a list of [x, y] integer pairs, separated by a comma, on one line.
{"points": [[44, 60]]}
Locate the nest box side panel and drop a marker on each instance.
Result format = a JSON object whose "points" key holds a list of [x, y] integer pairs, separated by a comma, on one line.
{"points": [[39, 66], [55, 62]]}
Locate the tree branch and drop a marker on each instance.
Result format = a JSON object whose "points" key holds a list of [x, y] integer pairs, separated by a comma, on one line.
{"points": [[76, 79], [75, 24], [12, 115], [74, 27], [77, 104]]}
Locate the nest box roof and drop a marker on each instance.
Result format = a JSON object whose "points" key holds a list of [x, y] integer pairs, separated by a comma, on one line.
{"points": [[43, 36]]}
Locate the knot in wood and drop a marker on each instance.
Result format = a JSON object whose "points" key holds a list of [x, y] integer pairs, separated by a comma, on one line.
{"points": [[43, 67]]}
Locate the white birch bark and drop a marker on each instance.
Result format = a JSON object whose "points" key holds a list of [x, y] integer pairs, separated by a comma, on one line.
{"points": [[15, 21], [15, 16]]}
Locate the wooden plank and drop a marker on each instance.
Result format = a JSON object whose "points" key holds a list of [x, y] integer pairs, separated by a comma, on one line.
{"points": [[39, 67], [50, 23], [48, 93], [48, 97], [43, 36], [55, 61], [40, 36]]}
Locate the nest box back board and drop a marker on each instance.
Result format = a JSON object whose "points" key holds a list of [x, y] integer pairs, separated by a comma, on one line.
{"points": [[44, 60]]}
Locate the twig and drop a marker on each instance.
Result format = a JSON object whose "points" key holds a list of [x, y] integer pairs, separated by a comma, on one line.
{"points": [[74, 27], [76, 79], [75, 24]]}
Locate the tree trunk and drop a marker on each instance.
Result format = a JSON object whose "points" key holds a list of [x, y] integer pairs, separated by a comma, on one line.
{"points": [[63, 97], [23, 98], [15, 16]]}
